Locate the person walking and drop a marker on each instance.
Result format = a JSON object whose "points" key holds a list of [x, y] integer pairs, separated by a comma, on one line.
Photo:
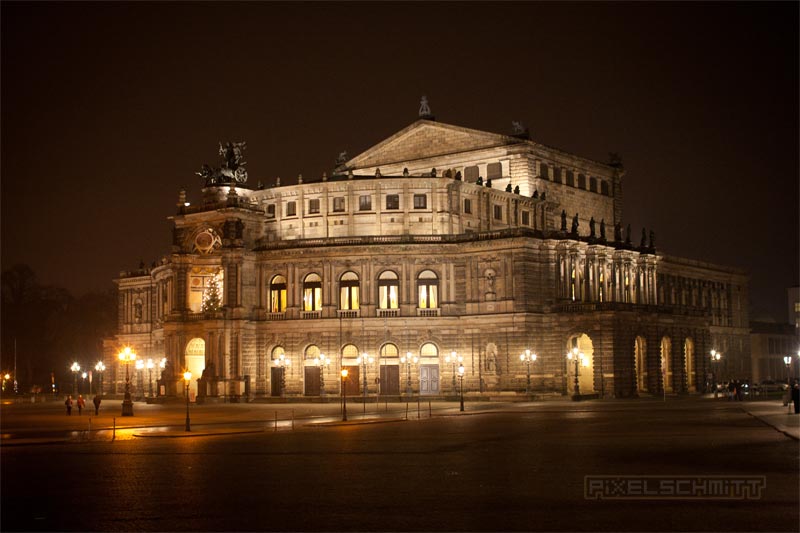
{"points": [[796, 396], [96, 402], [81, 404], [68, 403]]}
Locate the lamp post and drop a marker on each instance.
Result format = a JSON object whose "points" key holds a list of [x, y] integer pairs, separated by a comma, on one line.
{"points": [[100, 368], [83, 383], [322, 361], [6, 378], [577, 357], [126, 357], [282, 361], [140, 388], [162, 365], [364, 360], [344, 395], [75, 369], [454, 359], [715, 357], [528, 357], [187, 376], [788, 362], [408, 359], [461, 380], [150, 365]]}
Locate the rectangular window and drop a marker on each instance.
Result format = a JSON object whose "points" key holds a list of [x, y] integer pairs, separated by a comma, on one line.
{"points": [[313, 206], [365, 203], [291, 209], [338, 204], [526, 218], [557, 175], [498, 212], [388, 296], [278, 299], [420, 201], [494, 171], [468, 206], [271, 211], [348, 298], [471, 174], [570, 178], [392, 201]]}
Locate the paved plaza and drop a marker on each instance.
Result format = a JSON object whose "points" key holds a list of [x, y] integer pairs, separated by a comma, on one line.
{"points": [[532, 466]]}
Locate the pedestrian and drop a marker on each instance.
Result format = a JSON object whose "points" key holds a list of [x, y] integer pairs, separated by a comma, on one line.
{"points": [[81, 404], [96, 402], [731, 390], [68, 403], [796, 396]]}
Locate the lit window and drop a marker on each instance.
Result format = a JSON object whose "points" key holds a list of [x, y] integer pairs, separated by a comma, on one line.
{"points": [[420, 201], [428, 350], [348, 291], [392, 201], [338, 204], [277, 295], [312, 352], [365, 203], [277, 352], [389, 350], [312, 293], [350, 351], [313, 206], [388, 290], [428, 289]]}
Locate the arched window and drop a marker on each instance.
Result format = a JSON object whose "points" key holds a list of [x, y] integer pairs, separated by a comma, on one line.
{"points": [[429, 350], [312, 293], [312, 352], [277, 352], [277, 295], [388, 290], [350, 351], [389, 350], [348, 291], [428, 290]]}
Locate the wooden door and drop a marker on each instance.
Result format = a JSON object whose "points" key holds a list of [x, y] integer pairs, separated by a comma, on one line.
{"points": [[353, 381], [275, 381], [390, 380], [312, 380]]}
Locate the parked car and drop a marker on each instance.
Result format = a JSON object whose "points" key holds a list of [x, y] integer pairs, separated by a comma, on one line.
{"points": [[769, 385]]}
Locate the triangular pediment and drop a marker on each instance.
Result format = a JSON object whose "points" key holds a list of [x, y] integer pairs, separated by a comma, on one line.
{"points": [[425, 139]]}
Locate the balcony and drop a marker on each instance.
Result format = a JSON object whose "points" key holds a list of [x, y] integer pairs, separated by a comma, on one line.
{"points": [[276, 316], [388, 313], [427, 312], [310, 314], [348, 313]]}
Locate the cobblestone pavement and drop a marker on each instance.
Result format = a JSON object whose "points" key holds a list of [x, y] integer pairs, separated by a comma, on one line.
{"points": [[495, 467]]}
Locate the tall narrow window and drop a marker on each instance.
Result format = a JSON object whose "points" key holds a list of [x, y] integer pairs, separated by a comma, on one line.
{"points": [[313, 206], [570, 178], [392, 201], [388, 290], [349, 291], [312, 293], [557, 175], [277, 295], [365, 203], [467, 206], [420, 201], [604, 188], [338, 204], [544, 171], [291, 209], [601, 286], [428, 288], [581, 181], [593, 184], [498, 212], [526, 218], [271, 211]]}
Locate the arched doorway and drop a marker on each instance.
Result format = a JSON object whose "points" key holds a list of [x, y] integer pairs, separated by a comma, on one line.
{"points": [[428, 369], [688, 352], [666, 363], [580, 361], [640, 358], [195, 356]]}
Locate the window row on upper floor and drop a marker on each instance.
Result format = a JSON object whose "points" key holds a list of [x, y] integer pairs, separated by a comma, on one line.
{"points": [[388, 294], [312, 354], [339, 204], [559, 175]]}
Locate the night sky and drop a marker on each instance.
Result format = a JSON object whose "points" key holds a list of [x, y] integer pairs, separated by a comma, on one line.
{"points": [[108, 110]]}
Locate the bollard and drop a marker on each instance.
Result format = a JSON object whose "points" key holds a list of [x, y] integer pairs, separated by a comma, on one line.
{"points": [[292, 419], [114, 433], [430, 411], [276, 421], [418, 413], [406, 410]]}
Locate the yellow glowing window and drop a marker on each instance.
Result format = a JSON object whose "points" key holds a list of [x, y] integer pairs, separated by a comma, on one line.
{"points": [[428, 288], [388, 290], [277, 295], [312, 293], [349, 291]]}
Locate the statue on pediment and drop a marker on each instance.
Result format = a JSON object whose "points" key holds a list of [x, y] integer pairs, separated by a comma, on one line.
{"points": [[232, 169]]}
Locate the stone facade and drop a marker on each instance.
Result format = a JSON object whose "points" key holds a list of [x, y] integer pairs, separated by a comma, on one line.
{"points": [[439, 246]]}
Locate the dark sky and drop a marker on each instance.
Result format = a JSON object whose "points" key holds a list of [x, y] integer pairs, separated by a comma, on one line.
{"points": [[108, 109]]}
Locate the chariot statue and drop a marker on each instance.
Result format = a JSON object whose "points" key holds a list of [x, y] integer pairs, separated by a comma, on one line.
{"points": [[232, 169]]}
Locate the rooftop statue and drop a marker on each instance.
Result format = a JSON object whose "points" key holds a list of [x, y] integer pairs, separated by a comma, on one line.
{"points": [[424, 108], [232, 169]]}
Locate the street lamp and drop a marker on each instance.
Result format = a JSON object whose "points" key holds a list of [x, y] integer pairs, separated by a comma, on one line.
{"points": [[408, 359], [282, 362], [364, 360], [579, 359], [75, 369], [454, 359], [162, 365], [344, 395], [461, 380], [788, 361], [187, 376], [322, 361], [527, 357], [83, 383], [150, 365], [100, 368], [126, 357], [715, 357]]}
